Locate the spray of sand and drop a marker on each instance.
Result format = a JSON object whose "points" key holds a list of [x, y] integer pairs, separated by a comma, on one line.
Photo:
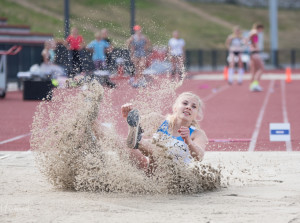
{"points": [[75, 151]]}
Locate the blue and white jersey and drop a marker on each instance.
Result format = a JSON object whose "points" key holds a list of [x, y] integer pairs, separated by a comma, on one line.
{"points": [[175, 144]]}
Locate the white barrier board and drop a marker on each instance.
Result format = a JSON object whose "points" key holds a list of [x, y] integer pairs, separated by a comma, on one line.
{"points": [[280, 132]]}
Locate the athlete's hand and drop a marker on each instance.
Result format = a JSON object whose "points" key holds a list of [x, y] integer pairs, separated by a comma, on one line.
{"points": [[125, 109], [185, 134]]}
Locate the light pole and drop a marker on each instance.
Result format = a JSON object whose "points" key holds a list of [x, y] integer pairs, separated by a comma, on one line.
{"points": [[273, 7], [132, 15], [66, 23]]}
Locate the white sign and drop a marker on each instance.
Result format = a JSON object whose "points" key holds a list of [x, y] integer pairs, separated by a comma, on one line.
{"points": [[280, 132]]}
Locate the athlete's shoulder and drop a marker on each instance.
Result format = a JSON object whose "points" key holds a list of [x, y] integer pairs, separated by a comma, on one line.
{"points": [[171, 40], [252, 32], [199, 134], [230, 37]]}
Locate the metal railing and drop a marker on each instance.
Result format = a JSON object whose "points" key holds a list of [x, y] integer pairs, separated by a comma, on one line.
{"points": [[199, 59], [196, 59]]}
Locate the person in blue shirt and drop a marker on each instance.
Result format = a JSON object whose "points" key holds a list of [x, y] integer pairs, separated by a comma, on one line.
{"points": [[99, 46]]}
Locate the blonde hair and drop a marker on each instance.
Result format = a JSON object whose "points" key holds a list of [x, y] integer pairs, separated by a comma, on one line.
{"points": [[171, 118], [257, 26]]}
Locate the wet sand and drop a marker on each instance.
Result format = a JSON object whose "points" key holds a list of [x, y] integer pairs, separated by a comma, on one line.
{"points": [[263, 187]]}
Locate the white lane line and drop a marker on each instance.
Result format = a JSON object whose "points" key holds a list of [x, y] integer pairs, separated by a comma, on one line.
{"points": [[217, 91], [14, 138], [220, 77], [260, 118], [288, 144], [3, 156]]}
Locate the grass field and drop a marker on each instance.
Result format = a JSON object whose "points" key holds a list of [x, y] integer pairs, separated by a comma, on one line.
{"points": [[201, 27]]}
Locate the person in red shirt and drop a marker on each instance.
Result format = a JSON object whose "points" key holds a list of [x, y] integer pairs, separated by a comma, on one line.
{"points": [[75, 43]]}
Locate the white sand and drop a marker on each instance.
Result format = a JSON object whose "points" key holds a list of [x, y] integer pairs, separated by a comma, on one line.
{"points": [[266, 189]]}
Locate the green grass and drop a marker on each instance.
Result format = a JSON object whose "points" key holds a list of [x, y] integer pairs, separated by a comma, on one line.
{"points": [[157, 17], [39, 22]]}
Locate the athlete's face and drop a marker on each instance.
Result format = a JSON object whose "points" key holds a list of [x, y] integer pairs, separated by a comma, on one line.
{"points": [[260, 30], [74, 31], [237, 32], [139, 31], [187, 108], [175, 34]]}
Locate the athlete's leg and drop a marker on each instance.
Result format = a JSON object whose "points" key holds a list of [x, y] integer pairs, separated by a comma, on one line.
{"points": [[180, 65], [135, 61], [260, 68], [142, 65], [146, 147], [258, 65], [173, 61], [252, 67], [139, 159], [231, 68], [253, 82], [241, 70]]}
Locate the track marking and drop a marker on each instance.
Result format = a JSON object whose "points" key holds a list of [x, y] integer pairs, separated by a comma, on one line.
{"points": [[14, 138], [220, 77], [260, 118], [210, 96], [288, 144], [3, 156], [229, 140]]}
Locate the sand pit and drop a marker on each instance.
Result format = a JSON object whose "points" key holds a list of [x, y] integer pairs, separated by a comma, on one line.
{"points": [[263, 187]]}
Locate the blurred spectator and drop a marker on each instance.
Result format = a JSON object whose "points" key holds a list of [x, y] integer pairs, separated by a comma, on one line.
{"points": [[98, 47], [235, 45], [256, 62], [75, 43], [48, 52], [176, 50], [138, 45], [48, 66]]}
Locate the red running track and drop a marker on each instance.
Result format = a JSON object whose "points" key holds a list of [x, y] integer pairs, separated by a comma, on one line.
{"points": [[235, 119]]}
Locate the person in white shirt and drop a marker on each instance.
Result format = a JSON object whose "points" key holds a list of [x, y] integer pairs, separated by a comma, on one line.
{"points": [[235, 44], [176, 50]]}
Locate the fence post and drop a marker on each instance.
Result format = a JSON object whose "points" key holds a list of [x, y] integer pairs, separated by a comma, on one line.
{"points": [[188, 59], [276, 61], [200, 58], [293, 58], [214, 59]]}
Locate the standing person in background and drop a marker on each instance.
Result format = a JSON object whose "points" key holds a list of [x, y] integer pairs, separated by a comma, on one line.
{"points": [[48, 53], [256, 62], [98, 47], [138, 45], [48, 65], [234, 44], [176, 50], [75, 43]]}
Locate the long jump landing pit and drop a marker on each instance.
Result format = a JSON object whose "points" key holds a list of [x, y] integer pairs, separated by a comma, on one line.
{"points": [[263, 187]]}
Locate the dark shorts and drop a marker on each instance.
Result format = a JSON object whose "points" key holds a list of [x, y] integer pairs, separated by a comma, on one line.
{"points": [[99, 64], [236, 53], [254, 52]]}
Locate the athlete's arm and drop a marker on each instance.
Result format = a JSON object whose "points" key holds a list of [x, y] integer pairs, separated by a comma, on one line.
{"points": [[196, 142], [148, 44], [130, 46], [227, 43]]}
